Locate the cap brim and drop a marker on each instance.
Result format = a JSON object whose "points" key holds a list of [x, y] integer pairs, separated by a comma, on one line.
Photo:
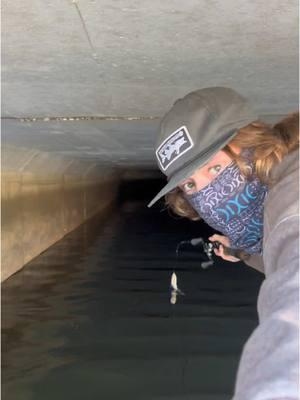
{"points": [[189, 169]]}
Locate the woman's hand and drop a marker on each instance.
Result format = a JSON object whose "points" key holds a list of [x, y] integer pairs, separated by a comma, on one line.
{"points": [[220, 251]]}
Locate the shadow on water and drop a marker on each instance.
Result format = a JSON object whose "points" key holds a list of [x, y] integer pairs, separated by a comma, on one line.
{"points": [[91, 316]]}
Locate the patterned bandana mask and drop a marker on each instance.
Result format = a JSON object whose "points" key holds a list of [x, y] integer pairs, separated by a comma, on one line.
{"points": [[234, 206]]}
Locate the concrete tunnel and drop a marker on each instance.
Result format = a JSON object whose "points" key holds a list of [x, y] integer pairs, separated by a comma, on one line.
{"points": [[84, 85]]}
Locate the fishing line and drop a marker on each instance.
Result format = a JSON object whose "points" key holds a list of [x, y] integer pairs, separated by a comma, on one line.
{"points": [[175, 291]]}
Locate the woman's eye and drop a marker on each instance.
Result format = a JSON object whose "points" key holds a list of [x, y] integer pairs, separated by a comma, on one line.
{"points": [[215, 169], [188, 186]]}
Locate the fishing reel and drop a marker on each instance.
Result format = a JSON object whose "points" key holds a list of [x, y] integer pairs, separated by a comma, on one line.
{"points": [[208, 250], [207, 247], [228, 251]]}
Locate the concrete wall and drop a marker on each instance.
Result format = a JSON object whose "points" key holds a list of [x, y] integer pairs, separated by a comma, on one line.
{"points": [[45, 198]]}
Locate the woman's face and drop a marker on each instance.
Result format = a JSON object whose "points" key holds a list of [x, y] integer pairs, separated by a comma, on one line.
{"points": [[204, 175]]}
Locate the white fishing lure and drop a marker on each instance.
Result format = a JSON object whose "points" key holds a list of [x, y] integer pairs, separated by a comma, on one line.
{"points": [[174, 289], [174, 281]]}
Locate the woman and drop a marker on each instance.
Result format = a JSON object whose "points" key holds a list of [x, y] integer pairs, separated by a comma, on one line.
{"points": [[241, 176]]}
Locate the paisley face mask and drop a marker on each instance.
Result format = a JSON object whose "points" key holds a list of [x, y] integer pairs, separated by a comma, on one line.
{"points": [[234, 206]]}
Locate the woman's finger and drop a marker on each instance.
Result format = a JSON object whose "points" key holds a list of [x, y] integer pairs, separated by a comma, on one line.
{"points": [[220, 252], [222, 239], [217, 252]]}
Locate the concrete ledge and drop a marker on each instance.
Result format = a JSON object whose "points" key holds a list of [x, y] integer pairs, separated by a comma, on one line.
{"points": [[38, 209]]}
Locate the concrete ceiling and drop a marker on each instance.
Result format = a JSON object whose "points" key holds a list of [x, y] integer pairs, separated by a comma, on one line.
{"points": [[103, 58], [107, 142], [134, 58]]}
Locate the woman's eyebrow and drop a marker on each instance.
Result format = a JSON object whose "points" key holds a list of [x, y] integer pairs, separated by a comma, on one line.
{"points": [[186, 180], [183, 182], [205, 165], [211, 162]]}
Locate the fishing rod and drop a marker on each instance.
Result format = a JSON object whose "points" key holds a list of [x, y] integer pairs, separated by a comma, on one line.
{"points": [[209, 246]]}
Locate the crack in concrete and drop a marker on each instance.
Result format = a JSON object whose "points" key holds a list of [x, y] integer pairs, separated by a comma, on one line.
{"points": [[108, 118], [94, 52]]}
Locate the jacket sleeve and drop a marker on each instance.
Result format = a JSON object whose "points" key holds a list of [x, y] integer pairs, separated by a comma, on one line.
{"points": [[268, 368]]}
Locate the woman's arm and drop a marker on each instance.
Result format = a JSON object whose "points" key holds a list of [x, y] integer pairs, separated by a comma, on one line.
{"points": [[268, 367]]}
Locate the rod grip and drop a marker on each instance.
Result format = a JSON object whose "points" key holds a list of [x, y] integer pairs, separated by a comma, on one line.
{"points": [[242, 255]]}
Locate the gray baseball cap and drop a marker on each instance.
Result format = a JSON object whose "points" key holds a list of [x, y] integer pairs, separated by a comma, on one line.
{"points": [[195, 129]]}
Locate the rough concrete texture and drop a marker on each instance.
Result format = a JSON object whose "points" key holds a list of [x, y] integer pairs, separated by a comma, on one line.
{"points": [[134, 58], [38, 210]]}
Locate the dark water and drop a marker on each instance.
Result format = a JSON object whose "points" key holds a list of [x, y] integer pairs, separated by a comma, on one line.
{"points": [[90, 318]]}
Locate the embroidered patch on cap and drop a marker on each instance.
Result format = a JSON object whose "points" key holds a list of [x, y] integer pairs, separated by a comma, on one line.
{"points": [[178, 143]]}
